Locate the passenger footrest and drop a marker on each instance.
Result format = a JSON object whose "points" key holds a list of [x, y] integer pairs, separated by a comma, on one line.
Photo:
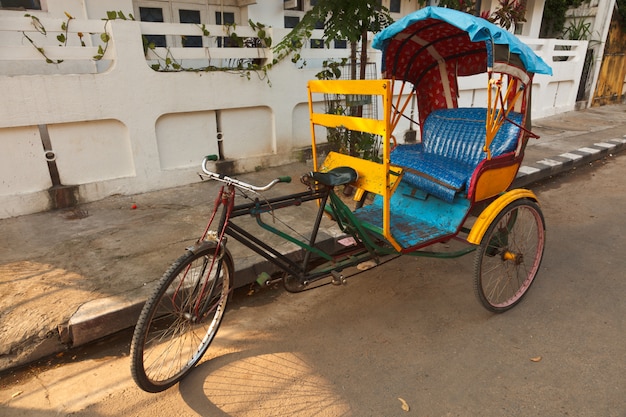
{"points": [[408, 231], [415, 220]]}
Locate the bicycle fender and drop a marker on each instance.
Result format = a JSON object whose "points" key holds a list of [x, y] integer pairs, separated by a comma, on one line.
{"points": [[489, 214], [200, 246]]}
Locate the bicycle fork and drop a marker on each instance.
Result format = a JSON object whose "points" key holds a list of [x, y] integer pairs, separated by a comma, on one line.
{"points": [[225, 198]]}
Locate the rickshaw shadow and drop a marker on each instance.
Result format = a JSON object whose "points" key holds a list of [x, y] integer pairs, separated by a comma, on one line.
{"points": [[260, 381], [281, 372]]}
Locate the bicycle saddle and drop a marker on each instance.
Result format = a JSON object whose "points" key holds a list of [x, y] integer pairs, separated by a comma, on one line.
{"points": [[336, 176]]}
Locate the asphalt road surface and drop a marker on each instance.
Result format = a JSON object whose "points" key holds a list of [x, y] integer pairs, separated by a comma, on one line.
{"points": [[406, 338]]}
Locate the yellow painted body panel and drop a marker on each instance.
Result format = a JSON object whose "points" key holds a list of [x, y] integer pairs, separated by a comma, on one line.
{"points": [[489, 214], [368, 87], [377, 127], [494, 181]]}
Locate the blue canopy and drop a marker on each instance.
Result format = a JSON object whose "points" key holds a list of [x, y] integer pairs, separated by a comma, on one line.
{"points": [[478, 30]]}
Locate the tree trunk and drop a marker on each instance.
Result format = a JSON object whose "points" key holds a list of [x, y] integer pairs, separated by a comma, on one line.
{"points": [[353, 60], [363, 63]]}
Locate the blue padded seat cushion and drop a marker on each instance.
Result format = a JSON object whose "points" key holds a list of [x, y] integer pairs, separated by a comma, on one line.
{"points": [[451, 149], [435, 174]]}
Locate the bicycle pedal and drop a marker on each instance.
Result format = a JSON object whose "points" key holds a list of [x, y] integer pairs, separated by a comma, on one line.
{"points": [[337, 278]]}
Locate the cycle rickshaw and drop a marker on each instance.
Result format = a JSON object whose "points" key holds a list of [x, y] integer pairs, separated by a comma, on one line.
{"points": [[452, 184]]}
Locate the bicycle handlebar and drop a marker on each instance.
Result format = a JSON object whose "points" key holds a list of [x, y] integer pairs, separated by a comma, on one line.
{"points": [[238, 183]]}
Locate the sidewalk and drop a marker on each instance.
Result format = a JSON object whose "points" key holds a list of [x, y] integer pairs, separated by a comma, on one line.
{"points": [[70, 277]]}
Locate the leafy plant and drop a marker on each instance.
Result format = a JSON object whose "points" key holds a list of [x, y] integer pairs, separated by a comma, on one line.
{"points": [[553, 21], [349, 20], [509, 13], [345, 20], [578, 29], [332, 69], [340, 139]]}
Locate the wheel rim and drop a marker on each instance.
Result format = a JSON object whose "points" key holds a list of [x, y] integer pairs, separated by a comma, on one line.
{"points": [[510, 261], [183, 324]]}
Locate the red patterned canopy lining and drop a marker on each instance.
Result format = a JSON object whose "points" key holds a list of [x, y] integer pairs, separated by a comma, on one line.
{"points": [[431, 54]]}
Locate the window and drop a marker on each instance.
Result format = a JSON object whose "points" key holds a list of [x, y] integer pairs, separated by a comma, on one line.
{"points": [[394, 6], [20, 4], [190, 16], [318, 43], [291, 21], [153, 14], [295, 10], [292, 5], [341, 44], [226, 18]]}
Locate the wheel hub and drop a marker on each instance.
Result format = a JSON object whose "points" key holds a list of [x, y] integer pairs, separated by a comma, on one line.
{"points": [[516, 258]]}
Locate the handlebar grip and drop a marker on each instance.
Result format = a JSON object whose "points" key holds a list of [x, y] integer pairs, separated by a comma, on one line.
{"points": [[286, 178], [212, 157]]}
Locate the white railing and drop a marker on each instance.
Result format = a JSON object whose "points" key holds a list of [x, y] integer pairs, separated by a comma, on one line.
{"points": [[557, 94], [117, 126]]}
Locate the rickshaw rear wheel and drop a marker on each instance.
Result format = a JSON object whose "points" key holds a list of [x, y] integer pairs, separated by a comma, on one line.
{"points": [[509, 256]]}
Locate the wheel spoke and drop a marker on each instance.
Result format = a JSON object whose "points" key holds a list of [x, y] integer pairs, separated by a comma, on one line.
{"points": [[507, 263], [180, 319]]}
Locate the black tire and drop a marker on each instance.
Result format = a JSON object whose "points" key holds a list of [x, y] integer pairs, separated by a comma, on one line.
{"points": [[182, 316], [509, 256]]}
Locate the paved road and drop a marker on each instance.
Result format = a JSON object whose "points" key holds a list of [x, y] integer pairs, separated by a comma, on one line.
{"points": [[410, 329]]}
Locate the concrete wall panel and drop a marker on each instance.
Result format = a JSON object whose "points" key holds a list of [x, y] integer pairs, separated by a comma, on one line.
{"points": [[23, 166], [92, 151]]}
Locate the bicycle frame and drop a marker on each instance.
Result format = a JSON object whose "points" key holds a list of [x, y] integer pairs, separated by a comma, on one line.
{"points": [[314, 263]]}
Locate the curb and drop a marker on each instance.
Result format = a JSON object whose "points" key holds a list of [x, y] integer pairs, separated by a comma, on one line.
{"points": [[547, 167], [100, 318]]}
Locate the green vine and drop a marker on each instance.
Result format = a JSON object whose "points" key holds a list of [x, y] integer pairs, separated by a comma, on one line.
{"points": [[41, 29], [243, 66], [63, 38], [332, 69]]}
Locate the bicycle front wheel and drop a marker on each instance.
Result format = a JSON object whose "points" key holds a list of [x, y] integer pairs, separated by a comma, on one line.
{"points": [[509, 256], [180, 319]]}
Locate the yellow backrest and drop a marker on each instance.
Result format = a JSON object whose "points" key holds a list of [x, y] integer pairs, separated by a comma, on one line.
{"points": [[379, 178]]}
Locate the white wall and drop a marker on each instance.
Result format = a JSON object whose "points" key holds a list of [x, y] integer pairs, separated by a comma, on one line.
{"points": [[131, 129]]}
